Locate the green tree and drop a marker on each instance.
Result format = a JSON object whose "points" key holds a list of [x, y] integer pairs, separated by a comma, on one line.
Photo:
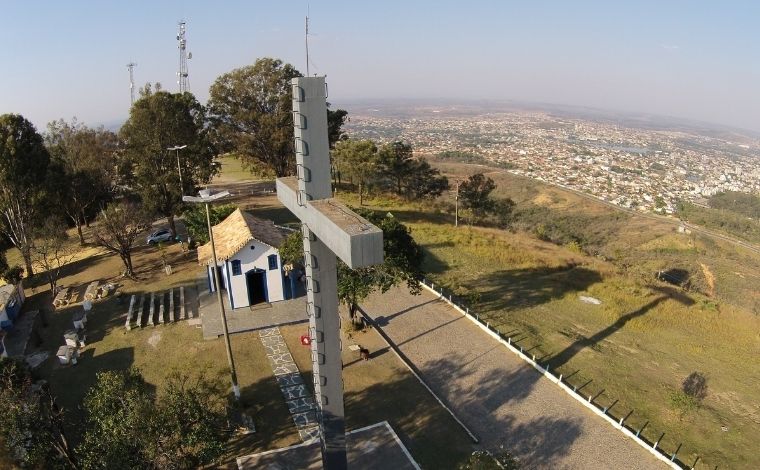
{"points": [[120, 224], [24, 164], [88, 168], [402, 263], [52, 250], [128, 426], [291, 249], [31, 423], [475, 195], [157, 121], [396, 163], [251, 114], [406, 176], [357, 159], [250, 109], [196, 223]]}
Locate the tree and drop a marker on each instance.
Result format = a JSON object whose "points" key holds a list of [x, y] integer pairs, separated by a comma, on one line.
{"points": [[358, 160], [291, 248], [196, 223], [120, 225], [157, 121], [52, 250], [31, 423], [24, 164], [250, 110], [424, 182], [402, 263], [407, 176], [86, 160], [128, 426], [396, 163], [475, 194]]}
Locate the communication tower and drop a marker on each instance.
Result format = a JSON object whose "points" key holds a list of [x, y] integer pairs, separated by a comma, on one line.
{"points": [[131, 68], [182, 80]]}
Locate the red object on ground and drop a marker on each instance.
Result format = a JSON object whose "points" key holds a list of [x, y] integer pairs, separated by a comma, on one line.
{"points": [[305, 340]]}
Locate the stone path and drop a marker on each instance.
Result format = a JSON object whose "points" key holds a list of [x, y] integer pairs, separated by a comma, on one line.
{"points": [[285, 312], [503, 400], [299, 399]]}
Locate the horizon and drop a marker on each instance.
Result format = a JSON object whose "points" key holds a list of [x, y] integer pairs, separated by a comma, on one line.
{"points": [[693, 65]]}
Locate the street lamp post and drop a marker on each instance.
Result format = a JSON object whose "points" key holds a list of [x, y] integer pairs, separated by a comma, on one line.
{"points": [[179, 167], [205, 197]]}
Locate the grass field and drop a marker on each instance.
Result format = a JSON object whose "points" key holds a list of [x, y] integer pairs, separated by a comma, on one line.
{"points": [[643, 340]]}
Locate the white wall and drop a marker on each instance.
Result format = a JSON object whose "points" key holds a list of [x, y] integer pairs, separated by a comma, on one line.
{"points": [[249, 260]]}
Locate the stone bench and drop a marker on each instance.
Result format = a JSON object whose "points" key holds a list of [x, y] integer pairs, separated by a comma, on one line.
{"points": [[93, 291], [62, 298]]}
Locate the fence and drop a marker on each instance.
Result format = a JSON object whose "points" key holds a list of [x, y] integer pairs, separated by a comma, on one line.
{"points": [[671, 459]]}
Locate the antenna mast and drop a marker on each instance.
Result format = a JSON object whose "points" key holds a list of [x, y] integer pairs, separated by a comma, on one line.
{"points": [[307, 44], [182, 80], [131, 68]]}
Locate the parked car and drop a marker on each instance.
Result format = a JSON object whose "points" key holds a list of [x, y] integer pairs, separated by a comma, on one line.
{"points": [[159, 236]]}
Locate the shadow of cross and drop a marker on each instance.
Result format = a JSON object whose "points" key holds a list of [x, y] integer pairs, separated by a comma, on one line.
{"points": [[329, 229], [564, 356]]}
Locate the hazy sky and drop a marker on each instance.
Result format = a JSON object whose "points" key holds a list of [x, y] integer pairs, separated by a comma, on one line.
{"points": [[699, 60]]}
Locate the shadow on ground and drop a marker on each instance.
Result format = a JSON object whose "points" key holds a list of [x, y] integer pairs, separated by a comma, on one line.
{"points": [[524, 288]]}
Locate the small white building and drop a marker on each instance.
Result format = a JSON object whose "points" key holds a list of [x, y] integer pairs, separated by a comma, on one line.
{"points": [[11, 299], [249, 265]]}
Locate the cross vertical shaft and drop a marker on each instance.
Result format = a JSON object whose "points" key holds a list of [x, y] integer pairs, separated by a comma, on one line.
{"points": [[313, 170]]}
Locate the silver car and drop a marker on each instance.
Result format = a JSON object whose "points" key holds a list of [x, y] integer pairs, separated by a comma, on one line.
{"points": [[159, 236]]}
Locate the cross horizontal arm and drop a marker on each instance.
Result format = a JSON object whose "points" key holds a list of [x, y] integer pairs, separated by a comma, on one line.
{"points": [[352, 238]]}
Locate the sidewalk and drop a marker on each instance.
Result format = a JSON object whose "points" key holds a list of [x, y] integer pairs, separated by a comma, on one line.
{"points": [[245, 319], [501, 399]]}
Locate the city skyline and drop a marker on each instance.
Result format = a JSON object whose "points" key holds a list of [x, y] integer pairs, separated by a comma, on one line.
{"points": [[685, 60]]}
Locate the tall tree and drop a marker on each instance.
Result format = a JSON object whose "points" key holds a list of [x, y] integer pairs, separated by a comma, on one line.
{"points": [[88, 167], [31, 423], [52, 250], [119, 226], [396, 162], [475, 194], [358, 160], [24, 162], [407, 176], [158, 121], [250, 109]]}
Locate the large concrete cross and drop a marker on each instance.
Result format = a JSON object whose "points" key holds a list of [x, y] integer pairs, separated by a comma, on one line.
{"points": [[329, 229]]}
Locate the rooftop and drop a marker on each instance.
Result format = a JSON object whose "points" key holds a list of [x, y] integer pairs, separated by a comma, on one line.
{"points": [[236, 231]]}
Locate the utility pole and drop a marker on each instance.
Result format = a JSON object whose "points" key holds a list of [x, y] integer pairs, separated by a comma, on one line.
{"points": [[205, 197], [182, 80], [456, 206], [179, 167], [131, 68]]}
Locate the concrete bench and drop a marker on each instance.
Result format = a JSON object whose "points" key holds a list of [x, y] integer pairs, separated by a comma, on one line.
{"points": [[62, 298], [93, 291]]}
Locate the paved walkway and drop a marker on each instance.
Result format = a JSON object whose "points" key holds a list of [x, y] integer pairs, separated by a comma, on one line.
{"points": [[375, 447], [297, 395], [500, 398], [244, 319]]}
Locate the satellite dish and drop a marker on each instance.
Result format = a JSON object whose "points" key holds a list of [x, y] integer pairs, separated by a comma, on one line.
{"points": [[189, 55]]}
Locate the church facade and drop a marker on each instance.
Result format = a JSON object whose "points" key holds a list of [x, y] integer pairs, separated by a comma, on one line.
{"points": [[248, 261]]}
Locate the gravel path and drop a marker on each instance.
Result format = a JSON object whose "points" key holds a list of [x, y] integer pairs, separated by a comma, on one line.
{"points": [[502, 400]]}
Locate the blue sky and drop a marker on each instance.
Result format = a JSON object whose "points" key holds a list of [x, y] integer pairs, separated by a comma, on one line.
{"points": [[691, 59]]}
